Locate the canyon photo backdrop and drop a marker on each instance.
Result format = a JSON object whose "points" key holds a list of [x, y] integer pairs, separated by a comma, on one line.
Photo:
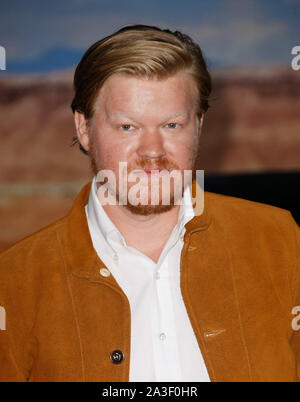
{"points": [[252, 127]]}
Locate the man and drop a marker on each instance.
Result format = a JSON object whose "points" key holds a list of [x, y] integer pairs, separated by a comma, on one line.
{"points": [[127, 289]]}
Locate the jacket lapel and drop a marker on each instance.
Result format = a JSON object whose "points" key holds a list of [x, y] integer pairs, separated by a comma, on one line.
{"points": [[102, 312], [209, 293]]}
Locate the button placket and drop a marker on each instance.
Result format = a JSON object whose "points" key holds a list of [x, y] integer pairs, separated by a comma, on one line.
{"points": [[166, 346]]}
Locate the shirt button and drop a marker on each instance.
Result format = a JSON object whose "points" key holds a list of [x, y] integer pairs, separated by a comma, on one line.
{"points": [[104, 272], [162, 336], [157, 275], [117, 356], [115, 257]]}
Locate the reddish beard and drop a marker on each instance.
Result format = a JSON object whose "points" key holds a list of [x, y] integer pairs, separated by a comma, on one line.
{"points": [[150, 164], [146, 164]]}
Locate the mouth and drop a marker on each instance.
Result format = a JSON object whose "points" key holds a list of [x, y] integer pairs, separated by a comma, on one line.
{"points": [[152, 171]]}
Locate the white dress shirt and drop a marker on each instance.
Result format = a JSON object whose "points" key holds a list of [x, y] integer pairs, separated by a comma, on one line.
{"points": [[163, 344]]}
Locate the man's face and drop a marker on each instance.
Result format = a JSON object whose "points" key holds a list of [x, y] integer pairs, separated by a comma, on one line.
{"points": [[148, 123]]}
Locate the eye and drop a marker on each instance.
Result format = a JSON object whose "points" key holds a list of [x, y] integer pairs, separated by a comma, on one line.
{"points": [[126, 127], [172, 125]]}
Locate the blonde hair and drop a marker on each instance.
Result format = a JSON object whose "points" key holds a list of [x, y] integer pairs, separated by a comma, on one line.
{"points": [[142, 51]]}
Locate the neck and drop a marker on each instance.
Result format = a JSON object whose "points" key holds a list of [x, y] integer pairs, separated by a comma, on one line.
{"points": [[147, 234]]}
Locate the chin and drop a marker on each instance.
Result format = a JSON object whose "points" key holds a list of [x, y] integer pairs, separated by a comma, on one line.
{"points": [[146, 210]]}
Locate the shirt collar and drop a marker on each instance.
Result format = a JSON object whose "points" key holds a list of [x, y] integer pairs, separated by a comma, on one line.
{"points": [[102, 223], [99, 218]]}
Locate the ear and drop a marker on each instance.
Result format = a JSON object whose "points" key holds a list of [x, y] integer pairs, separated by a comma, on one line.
{"points": [[82, 130], [200, 124]]}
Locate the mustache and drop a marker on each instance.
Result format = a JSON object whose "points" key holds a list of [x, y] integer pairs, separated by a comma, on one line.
{"points": [[148, 164]]}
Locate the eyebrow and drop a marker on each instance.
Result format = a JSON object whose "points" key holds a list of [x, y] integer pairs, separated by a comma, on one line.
{"points": [[120, 115], [127, 116], [174, 116]]}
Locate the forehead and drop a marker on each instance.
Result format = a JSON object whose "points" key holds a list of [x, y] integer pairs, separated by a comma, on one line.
{"points": [[122, 94]]}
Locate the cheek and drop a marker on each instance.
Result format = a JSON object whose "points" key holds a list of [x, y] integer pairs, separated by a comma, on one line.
{"points": [[110, 153], [189, 157], [183, 151]]}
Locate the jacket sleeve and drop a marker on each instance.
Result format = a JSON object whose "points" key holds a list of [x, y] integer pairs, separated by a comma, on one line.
{"points": [[295, 308], [17, 347], [10, 369]]}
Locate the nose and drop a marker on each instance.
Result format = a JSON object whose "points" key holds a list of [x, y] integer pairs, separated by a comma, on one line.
{"points": [[151, 145]]}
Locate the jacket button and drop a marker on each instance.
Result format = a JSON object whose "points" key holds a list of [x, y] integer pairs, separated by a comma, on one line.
{"points": [[104, 272], [117, 356]]}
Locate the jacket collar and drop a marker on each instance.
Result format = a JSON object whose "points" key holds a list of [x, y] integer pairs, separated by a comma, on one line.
{"points": [[81, 257]]}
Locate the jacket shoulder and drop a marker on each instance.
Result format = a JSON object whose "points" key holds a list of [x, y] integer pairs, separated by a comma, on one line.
{"points": [[40, 252], [237, 208], [268, 229], [37, 247]]}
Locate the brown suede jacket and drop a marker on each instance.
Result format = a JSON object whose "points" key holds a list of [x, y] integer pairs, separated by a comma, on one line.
{"points": [[239, 270]]}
